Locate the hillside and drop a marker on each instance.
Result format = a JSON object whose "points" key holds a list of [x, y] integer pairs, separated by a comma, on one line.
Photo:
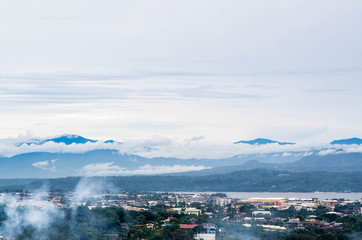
{"points": [[257, 180], [343, 162]]}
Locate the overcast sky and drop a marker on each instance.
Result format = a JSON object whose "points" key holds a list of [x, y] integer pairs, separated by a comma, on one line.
{"points": [[217, 71]]}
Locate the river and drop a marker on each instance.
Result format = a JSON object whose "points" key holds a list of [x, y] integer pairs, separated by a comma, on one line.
{"points": [[319, 195]]}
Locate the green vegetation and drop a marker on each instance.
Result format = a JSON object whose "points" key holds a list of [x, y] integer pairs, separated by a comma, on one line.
{"points": [[158, 223], [257, 180]]}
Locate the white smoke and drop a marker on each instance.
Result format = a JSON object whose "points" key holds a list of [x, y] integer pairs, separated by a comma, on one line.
{"points": [[91, 187], [35, 210], [31, 210]]}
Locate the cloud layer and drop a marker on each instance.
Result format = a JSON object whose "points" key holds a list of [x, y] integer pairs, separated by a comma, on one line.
{"points": [[182, 36], [197, 147], [110, 169], [226, 70], [46, 165]]}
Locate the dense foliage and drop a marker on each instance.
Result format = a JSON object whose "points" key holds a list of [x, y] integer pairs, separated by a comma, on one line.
{"points": [[257, 180], [114, 223]]}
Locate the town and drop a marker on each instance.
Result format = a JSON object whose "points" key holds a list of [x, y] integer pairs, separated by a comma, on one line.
{"points": [[208, 216]]}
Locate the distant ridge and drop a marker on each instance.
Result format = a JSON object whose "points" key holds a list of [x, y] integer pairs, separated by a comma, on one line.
{"points": [[67, 139], [348, 141], [263, 141], [70, 139], [256, 180], [342, 162]]}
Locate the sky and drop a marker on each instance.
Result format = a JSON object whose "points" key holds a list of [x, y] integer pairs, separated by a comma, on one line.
{"points": [[191, 71]]}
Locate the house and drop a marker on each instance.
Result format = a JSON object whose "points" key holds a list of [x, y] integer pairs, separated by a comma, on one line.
{"points": [[188, 226], [205, 236], [149, 225], [208, 225]]}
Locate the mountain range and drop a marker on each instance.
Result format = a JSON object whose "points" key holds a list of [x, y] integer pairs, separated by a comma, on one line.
{"points": [[344, 162], [349, 141], [263, 141], [111, 162], [66, 139]]}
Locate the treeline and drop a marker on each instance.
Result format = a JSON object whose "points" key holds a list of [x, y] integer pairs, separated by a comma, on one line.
{"points": [[75, 224], [110, 223], [257, 180], [158, 223]]}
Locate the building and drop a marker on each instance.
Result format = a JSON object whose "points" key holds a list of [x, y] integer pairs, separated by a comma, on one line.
{"points": [[300, 203], [205, 236], [261, 213], [186, 210], [266, 202], [221, 201]]}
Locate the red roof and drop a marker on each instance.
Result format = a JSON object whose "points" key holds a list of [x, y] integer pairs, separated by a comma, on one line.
{"points": [[188, 226]]}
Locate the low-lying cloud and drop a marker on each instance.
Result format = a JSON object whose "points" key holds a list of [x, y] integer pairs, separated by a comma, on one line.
{"points": [[198, 147], [46, 165], [110, 169]]}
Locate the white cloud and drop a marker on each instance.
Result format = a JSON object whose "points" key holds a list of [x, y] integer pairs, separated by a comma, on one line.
{"points": [[208, 35], [46, 165], [353, 148], [160, 146], [216, 150], [195, 138], [191, 77], [327, 151], [143, 106], [10, 146], [109, 169]]}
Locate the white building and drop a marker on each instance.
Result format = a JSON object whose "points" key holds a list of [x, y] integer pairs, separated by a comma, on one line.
{"points": [[205, 236]]}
